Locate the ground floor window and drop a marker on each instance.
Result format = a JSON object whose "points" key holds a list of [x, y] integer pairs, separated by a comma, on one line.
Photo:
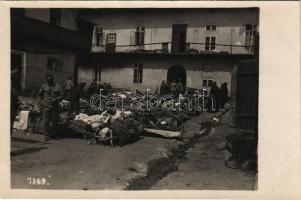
{"points": [[207, 82], [54, 64], [138, 73]]}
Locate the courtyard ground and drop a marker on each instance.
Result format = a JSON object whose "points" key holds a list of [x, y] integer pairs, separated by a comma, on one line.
{"points": [[196, 162]]}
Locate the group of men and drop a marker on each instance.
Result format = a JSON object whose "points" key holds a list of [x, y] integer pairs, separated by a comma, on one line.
{"points": [[220, 95], [174, 88], [94, 88]]}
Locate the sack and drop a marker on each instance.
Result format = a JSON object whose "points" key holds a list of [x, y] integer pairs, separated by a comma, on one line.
{"points": [[125, 131]]}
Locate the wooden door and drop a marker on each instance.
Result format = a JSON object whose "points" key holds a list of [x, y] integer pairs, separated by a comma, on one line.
{"points": [[247, 96], [179, 32]]}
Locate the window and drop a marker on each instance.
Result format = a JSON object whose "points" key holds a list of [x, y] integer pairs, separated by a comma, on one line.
{"points": [[210, 43], [97, 72], [207, 82], [55, 16], [138, 73], [251, 30], [210, 27], [111, 38], [54, 64], [139, 36], [98, 34], [165, 47]]}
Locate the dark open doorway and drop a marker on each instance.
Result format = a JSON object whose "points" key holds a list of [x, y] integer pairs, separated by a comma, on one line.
{"points": [[16, 69], [175, 73], [179, 38]]}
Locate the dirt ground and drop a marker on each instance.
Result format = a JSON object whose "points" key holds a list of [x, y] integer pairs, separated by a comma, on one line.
{"points": [[204, 169], [196, 162]]}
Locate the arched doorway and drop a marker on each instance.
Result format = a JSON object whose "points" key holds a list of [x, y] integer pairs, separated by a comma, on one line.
{"points": [[176, 72]]}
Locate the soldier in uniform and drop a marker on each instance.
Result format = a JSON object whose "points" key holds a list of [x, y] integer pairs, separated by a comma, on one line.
{"points": [[50, 95]]}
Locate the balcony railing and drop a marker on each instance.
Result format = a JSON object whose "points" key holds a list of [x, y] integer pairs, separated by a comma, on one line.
{"points": [[169, 48]]}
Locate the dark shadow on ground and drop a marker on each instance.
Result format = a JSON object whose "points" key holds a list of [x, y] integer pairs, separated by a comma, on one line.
{"points": [[26, 151], [14, 139]]}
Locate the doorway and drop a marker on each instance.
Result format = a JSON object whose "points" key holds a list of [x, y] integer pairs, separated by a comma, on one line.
{"points": [[111, 42], [17, 69], [175, 73], [179, 38]]}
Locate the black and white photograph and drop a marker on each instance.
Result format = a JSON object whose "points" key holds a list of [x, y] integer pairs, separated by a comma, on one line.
{"points": [[134, 98]]}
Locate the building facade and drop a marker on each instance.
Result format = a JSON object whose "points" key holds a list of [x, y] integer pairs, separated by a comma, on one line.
{"points": [[131, 48], [45, 41], [140, 48]]}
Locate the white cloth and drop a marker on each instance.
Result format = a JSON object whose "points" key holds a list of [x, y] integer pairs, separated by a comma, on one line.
{"points": [[94, 120], [23, 118]]}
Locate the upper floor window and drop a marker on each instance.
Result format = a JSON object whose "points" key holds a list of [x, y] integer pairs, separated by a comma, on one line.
{"points": [[138, 73], [210, 27], [210, 43], [250, 31], [98, 35], [139, 36], [55, 16]]}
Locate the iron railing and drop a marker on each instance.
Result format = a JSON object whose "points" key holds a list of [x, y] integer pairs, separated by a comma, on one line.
{"points": [[168, 47]]}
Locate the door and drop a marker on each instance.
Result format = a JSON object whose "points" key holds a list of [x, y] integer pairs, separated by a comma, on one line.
{"points": [[247, 95], [111, 42], [179, 32]]}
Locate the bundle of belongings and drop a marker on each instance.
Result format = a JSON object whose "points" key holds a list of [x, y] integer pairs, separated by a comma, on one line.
{"points": [[28, 104], [22, 120], [124, 125], [28, 110], [109, 126]]}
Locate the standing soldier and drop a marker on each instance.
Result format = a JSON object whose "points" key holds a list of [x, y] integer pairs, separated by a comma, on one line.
{"points": [[68, 85], [76, 94], [214, 91], [50, 95], [223, 95], [163, 88], [180, 87], [173, 88]]}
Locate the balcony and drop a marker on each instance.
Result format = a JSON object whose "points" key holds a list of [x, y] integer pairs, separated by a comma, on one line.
{"points": [[167, 48], [24, 26]]}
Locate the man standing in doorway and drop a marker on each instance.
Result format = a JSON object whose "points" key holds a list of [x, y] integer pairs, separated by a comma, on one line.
{"points": [[50, 95]]}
